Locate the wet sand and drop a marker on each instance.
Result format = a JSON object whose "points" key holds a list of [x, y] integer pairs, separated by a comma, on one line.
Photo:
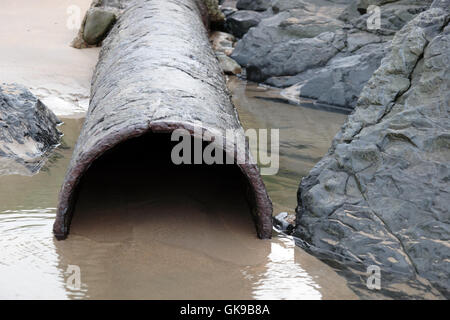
{"points": [[35, 52]]}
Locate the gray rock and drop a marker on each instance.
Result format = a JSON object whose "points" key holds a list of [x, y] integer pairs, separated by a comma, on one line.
{"points": [[285, 57], [284, 5], [98, 30], [118, 4], [27, 131], [228, 65], [98, 23], [228, 11], [256, 5], [280, 43], [340, 82], [381, 194], [284, 222], [276, 52], [241, 21], [222, 42], [394, 15]]}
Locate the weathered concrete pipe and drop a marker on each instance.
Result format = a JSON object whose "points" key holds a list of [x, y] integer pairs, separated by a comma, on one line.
{"points": [[157, 73]]}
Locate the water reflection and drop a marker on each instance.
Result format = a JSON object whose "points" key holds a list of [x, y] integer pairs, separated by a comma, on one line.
{"points": [[285, 278], [28, 261]]}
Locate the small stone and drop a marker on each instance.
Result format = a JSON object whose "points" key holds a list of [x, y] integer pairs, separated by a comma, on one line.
{"points": [[98, 24], [284, 222], [222, 42], [240, 22], [229, 66]]}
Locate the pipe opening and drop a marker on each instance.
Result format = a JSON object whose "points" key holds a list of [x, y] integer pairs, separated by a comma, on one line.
{"points": [[137, 182]]}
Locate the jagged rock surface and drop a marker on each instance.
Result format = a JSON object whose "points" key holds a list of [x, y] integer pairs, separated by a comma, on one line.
{"points": [[27, 131], [381, 196], [286, 48], [241, 21], [256, 5]]}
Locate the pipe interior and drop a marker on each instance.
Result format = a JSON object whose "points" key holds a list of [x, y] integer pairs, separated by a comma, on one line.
{"points": [[137, 181]]}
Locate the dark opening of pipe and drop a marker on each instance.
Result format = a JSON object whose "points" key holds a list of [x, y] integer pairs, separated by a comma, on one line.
{"points": [[138, 176]]}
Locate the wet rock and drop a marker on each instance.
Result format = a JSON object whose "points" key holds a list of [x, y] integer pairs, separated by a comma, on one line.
{"points": [[241, 21], [222, 42], [394, 14], [97, 25], [228, 65], [280, 43], [340, 82], [98, 21], [380, 195], [288, 57], [228, 11], [345, 68], [284, 222], [27, 131], [214, 12], [256, 5], [309, 26]]}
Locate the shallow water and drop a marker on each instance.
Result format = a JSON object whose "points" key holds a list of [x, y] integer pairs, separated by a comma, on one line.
{"points": [[188, 239], [305, 135]]}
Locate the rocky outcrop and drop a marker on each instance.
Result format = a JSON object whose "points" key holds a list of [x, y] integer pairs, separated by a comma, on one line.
{"points": [[327, 50], [27, 131], [381, 195]]}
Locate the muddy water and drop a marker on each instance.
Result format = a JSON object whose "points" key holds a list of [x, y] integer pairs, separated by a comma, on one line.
{"points": [[305, 135], [143, 232]]}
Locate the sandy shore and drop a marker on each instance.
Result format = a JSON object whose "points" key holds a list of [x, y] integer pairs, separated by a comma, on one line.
{"points": [[35, 52]]}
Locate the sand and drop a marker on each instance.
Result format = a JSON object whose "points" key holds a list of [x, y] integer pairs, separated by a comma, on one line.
{"points": [[35, 51]]}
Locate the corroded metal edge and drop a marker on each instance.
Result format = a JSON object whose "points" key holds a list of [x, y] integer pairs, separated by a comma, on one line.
{"points": [[259, 200]]}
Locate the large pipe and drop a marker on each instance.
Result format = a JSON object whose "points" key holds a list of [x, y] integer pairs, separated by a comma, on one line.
{"points": [[157, 73]]}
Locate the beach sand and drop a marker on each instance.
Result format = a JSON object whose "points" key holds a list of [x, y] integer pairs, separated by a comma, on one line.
{"points": [[35, 51]]}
